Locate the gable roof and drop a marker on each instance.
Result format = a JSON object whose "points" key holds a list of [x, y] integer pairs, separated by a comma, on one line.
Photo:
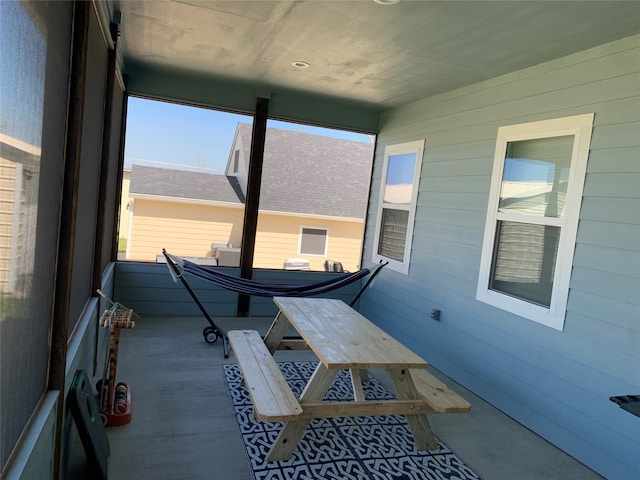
{"points": [[302, 174], [174, 183]]}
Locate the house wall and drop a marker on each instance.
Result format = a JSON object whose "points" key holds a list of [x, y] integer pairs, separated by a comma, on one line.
{"points": [[123, 224], [278, 238], [8, 207], [188, 229], [557, 383], [182, 228], [19, 168]]}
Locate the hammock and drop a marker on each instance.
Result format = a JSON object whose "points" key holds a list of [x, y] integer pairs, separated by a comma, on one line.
{"points": [[179, 266], [256, 288]]}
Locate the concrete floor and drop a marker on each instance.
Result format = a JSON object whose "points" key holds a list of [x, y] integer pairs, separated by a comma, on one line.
{"points": [[183, 425]]}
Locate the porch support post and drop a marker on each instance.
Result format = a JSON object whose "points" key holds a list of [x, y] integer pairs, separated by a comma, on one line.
{"points": [[252, 200], [68, 218], [123, 133], [104, 164], [107, 132]]}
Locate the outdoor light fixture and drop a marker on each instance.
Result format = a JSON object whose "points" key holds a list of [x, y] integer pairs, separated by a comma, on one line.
{"points": [[300, 65], [387, 2]]}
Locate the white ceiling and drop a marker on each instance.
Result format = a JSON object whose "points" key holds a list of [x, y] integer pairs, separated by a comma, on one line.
{"points": [[382, 56]]}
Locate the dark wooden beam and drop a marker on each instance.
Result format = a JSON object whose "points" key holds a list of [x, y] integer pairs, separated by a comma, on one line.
{"points": [[107, 132], [252, 200], [105, 163], [120, 174], [68, 217]]}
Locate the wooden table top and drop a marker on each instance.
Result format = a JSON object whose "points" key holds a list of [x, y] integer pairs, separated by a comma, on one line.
{"points": [[343, 338]]}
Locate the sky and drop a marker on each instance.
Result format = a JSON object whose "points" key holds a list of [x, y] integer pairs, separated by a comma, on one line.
{"points": [[172, 133], [401, 169]]}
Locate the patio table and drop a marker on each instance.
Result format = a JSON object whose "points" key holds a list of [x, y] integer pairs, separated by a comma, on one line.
{"points": [[344, 339]]}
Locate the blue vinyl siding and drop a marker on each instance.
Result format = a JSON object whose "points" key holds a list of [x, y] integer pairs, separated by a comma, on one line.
{"points": [[556, 383]]}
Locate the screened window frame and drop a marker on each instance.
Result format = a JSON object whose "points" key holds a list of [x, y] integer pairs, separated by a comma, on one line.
{"points": [[326, 241], [580, 127], [416, 147]]}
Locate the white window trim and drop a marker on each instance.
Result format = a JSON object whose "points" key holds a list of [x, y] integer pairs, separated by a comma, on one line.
{"points": [[416, 147], [326, 243], [580, 126]]}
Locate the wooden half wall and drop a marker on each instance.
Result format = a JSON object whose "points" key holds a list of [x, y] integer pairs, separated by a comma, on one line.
{"points": [[149, 290]]}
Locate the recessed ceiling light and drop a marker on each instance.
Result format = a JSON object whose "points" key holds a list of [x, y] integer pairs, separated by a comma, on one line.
{"points": [[387, 2], [299, 64]]}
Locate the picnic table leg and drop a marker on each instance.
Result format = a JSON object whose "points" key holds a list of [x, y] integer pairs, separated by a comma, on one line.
{"points": [[293, 431], [276, 332], [357, 377], [406, 390]]}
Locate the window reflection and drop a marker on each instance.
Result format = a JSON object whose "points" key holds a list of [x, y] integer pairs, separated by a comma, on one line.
{"points": [[399, 181], [535, 176]]}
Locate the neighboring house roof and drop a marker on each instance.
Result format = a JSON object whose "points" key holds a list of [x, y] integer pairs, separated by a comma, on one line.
{"points": [[313, 174], [302, 173], [167, 182]]}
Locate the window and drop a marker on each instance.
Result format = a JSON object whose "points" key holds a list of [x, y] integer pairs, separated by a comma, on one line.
{"points": [[236, 158], [532, 217], [313, 241], [397, 206]]}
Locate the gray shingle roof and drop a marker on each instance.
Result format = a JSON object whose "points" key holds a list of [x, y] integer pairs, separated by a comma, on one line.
{"points": [[166, 182], [302, 173]]}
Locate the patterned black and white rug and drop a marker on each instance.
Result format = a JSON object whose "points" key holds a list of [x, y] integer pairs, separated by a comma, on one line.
{"points": [[356, 448]]}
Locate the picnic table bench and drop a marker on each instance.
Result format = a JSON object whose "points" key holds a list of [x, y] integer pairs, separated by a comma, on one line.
{"points": [[273, 400]]}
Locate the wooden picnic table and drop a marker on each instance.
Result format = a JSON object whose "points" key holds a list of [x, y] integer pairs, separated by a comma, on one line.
{"points": [[341, 338]]}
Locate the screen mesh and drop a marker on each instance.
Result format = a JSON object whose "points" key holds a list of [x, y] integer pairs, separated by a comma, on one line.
{"points": [[34, 72]]}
